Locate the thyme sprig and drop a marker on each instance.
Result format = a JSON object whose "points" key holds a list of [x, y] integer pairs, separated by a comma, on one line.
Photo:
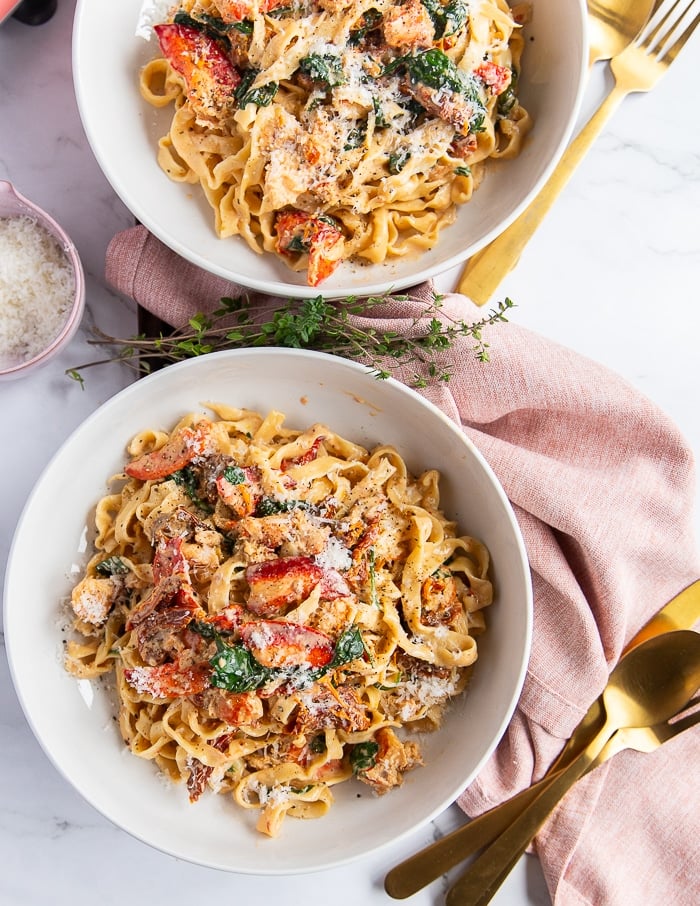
{"points": [[314, 323]]}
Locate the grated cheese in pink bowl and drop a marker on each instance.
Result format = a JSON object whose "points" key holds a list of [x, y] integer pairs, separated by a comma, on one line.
{"points": [[42, 286]]}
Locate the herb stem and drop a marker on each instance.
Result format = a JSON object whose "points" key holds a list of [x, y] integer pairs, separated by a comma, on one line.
{"points": [[314, 323]]}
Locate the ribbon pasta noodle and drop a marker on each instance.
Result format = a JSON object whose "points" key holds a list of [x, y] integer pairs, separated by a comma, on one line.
{"points": [[328, 130], [278, 607]]}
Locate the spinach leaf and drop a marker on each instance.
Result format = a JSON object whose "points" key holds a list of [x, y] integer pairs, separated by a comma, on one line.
{"points": [[234, 475], [318, 744], [356, 137], [261, 96], [456, 13], [448, 19], [508, 99], [206, 630], [245, 26], [269, 506], [436, 70], [188, 479], [380, 121], [348, 647], [363, 756], [112, 566], [235, 669], [297, 244], [325, 68], [368, 22], [397, 161], [213, 26]]}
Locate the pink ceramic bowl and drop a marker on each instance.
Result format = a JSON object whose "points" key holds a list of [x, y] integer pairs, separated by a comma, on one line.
{"points": [[7, 7], [12, 204]]}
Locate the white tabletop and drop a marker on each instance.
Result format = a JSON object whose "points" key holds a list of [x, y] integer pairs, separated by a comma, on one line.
{"points": [[613, 273]]}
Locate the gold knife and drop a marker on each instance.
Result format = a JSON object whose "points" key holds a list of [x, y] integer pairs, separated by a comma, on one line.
{"points": [[414, 873]]}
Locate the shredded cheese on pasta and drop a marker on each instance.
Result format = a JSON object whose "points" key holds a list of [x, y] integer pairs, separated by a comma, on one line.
{"points": [[327, 130], [278, 606]]}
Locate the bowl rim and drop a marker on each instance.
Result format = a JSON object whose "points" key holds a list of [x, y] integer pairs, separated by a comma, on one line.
{"points": [[24, 206]]}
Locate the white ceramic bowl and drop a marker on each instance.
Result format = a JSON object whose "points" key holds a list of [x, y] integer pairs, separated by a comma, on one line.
{"points": [[71, 719], [123, 132], [13, 204]]}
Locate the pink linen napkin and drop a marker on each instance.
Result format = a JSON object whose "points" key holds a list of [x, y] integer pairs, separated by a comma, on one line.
{"points": [[602, 485]]}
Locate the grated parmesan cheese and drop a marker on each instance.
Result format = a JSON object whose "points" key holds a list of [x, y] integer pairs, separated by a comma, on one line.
{"points": [[335, 556], [151, 13], [37, 288]]}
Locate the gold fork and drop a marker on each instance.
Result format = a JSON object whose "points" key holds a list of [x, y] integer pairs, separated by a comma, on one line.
{"points": [[638, 68], [419, 870]]}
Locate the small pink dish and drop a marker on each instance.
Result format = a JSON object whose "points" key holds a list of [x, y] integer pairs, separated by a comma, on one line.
{"points": [[15, 205], [7, 7]]}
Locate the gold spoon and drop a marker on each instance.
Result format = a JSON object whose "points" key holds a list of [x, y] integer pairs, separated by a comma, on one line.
{"points": [[418, 870], [649, 685], [612, 26]]}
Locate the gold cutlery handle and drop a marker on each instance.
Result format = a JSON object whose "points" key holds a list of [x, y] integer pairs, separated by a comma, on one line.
{"points": [[484, 876], [485, 270], [421, 869], [425, 866]]}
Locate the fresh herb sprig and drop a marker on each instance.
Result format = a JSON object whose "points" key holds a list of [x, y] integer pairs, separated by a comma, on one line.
{"points": [[314, 323]]}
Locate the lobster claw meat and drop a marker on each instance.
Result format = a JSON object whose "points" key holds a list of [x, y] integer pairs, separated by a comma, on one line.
{"points": [[319, 237], [209, 74], [279, 644], [175, 454], [168, 680], [276, 585]]}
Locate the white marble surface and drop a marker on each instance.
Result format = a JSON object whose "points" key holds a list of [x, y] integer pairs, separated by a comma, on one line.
{"points": [[613, 273]]}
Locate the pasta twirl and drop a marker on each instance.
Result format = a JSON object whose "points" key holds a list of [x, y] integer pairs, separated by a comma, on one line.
{"points": [[279, 607], [326, 130]]}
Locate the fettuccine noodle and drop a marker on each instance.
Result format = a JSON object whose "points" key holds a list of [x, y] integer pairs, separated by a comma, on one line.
{"points": [[278, 606], [327, 130]]}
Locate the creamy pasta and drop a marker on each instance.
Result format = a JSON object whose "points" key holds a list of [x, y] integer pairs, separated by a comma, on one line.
{"points": [[278, 608], [327, 130]]}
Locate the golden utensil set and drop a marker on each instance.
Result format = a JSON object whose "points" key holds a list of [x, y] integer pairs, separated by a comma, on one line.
{"points": [[654, 681]]}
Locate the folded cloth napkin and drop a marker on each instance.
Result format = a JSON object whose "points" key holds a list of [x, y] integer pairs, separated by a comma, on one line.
{"points": [[602, 485]]}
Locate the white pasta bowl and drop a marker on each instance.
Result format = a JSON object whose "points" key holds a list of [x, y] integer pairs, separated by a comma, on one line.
{"points": [[43, 348], [124, 132], [72, 719]]}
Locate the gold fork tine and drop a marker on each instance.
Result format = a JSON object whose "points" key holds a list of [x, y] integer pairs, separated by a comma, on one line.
{"points": [[637, 68], [644, 739], [662, 24], [672, 52], [655, 26]]}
